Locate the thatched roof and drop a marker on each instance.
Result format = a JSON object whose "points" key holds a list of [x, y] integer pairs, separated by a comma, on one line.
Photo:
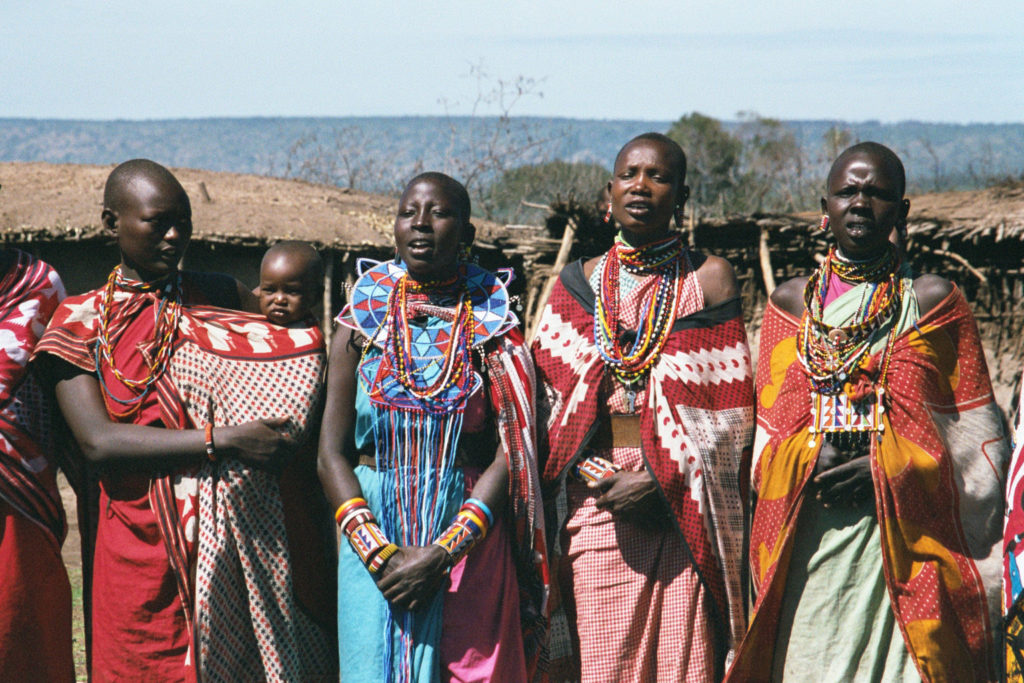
{"points": [[996, 212], [63, 202]]}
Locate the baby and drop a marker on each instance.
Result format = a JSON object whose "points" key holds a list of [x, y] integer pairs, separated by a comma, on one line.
{"points": [[291, 279]]}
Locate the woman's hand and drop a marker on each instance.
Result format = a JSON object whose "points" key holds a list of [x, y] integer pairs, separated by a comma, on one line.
{"points": [[632, 496], [259, 443], [840, 481], [413, 575]]}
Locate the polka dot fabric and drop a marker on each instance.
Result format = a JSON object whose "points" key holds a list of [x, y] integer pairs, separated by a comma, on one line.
{"points": [[938, 472]]}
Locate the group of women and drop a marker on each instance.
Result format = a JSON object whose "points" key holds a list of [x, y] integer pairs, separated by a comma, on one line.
{"points": [[580, 507]]}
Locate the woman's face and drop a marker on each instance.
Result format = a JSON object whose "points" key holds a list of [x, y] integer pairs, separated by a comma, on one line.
{"points": [[864, 204], [644, 189], [429, 230], [153, 228]]}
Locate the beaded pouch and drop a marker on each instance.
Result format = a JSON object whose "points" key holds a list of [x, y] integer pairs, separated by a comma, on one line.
{"points": [[837, 413]]}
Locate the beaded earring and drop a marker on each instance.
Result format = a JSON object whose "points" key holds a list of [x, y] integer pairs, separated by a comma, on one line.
{"points": [[466, 253], [678, 213], [824, 222], [608, 214]]}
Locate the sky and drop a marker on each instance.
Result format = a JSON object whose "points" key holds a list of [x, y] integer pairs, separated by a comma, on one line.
{"points": [[928, 60]]}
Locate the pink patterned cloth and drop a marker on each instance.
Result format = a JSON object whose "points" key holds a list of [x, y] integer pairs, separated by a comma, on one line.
{"points": [[640, 609]]}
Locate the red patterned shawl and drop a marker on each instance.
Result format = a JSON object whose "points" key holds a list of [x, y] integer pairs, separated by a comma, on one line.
{"points": [[938, 474], [30, 291], [239, 367], [695, 426], [512, 385]]}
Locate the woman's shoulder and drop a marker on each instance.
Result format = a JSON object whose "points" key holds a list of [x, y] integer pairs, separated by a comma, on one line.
{"points": [[931, 290], [789, 296], [717, 278]]}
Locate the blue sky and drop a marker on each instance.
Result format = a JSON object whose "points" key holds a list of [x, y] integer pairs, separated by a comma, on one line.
{"points": [[931, 60]]}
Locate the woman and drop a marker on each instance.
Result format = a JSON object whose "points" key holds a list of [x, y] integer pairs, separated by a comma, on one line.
{"points": [[162, 397], [648, 387], [878, 464], [427, 452], [35, 596]]}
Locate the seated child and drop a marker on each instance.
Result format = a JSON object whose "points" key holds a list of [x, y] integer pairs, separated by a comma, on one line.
{"points": [[291, 279]]}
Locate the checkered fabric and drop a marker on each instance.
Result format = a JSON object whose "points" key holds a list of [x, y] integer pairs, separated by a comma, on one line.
{"points": [[938, 470], [696, 420]]}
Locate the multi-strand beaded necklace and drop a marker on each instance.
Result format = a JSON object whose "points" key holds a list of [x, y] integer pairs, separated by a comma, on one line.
{"points": [[661, 259], [833, 355], [167, 317], [454, 366]]}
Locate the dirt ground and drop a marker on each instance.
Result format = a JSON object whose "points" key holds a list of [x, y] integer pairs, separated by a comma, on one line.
{"points": [[72, 553]]}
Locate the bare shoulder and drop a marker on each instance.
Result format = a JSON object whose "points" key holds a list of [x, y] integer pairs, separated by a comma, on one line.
{"points": [[717, 280], [789, 296], [589, 265], [931, 290]]}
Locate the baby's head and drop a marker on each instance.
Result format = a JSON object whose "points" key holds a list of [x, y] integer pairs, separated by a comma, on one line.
{"points": [[291, 278]]}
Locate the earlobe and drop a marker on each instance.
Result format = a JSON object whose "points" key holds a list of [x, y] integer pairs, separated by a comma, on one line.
{"points": [[824, 205], [109, 220], [906, 208]]}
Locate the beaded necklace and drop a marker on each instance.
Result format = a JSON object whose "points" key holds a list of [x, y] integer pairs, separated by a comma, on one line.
{"points": [[167, 317], [660, 259], [837, 358], [454, 365]]}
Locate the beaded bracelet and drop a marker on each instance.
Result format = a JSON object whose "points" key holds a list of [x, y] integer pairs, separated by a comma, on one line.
{"points": [[466, 530], [481, 507], [596, 468], [348, 505], [365, 536], [211, 451]]}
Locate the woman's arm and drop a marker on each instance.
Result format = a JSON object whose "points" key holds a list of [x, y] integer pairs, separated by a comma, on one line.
{"points": [[415, 573], [336, 453], [113, 444]]}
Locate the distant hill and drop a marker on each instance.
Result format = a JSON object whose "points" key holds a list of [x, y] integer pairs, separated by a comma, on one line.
{"points": [[938, 156]]}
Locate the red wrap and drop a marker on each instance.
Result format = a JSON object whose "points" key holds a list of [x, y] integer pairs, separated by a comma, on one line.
{"points": [[35, 596], [938, 475], [695, 425]]}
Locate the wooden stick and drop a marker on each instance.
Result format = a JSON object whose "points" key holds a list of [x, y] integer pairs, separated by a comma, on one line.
{"points": [[549, 286], [328, 295], [767, 272], [953, 256]]}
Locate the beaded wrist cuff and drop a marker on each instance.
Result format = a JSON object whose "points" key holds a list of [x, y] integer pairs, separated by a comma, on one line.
{"points": [[466, 530], [595, 468]]}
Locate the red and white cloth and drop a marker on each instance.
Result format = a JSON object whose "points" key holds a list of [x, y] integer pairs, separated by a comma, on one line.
{"points": [[696, 419], [35, 596]]}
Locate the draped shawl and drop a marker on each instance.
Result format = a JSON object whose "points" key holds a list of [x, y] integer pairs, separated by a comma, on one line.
{"points": [[695, 425], [938, 473], [30, 291], [222, 523]]}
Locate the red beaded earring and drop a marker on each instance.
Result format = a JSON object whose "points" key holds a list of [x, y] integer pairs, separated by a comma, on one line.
{"points": [[608, 214], [824, 223]]}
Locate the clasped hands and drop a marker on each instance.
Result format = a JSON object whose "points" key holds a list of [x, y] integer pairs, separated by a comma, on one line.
{"points": [[839, 481]]}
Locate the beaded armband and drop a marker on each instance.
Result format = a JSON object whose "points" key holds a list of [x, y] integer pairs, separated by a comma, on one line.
{"points": [[467, 529], [365, 536], [595, 468], [211, 449]]}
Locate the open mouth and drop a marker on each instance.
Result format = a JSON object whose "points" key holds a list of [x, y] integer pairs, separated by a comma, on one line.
{"points": [[638, 209], [420, 247]]}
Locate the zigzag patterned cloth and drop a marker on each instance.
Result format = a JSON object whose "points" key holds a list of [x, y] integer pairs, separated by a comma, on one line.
{"points": [[695, 423], [248, 625]]}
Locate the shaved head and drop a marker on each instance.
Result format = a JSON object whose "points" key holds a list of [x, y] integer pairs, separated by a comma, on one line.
{"points": [[883, 154], [301, 255], [452, 187], [677, 158], [123, 179]]}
